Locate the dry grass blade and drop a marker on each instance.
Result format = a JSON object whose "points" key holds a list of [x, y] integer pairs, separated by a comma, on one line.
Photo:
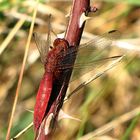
{"points": [[11, 35], [128, 44], [18, 15], [21, 72], [23, 131], [114, 63], [44, 9], [105, 137], [111, 125]]}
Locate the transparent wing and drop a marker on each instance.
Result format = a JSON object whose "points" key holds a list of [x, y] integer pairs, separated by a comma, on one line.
{"points": [[80, 69], [95, 65], [91, 55], [102, 41], [43, 45], [94, 48]]}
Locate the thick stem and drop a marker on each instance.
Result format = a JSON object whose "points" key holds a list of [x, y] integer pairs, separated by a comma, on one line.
{"points": [[74, 31]]}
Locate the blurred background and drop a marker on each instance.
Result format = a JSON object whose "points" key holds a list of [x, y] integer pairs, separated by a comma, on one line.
{"points": [[102, 101]]}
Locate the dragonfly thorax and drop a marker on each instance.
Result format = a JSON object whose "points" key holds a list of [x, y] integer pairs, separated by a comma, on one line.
{"points": [[56, 55]]}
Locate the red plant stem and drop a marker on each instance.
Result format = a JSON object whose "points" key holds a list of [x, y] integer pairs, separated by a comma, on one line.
{"points": [[74, 32]]}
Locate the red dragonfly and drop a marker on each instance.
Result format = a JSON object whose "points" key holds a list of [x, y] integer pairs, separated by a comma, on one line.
{"points": [[57, 60]]}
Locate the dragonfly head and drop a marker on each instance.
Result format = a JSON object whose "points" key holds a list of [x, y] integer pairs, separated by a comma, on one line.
{"points": [[61, 42]]}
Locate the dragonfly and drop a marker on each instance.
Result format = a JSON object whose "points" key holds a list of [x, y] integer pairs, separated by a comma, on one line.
{"points": [[57, 59]]}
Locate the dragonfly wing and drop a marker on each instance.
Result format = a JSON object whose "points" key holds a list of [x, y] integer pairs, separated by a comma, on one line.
{"points": [[94, 66], [94, 50], [98, 46], [102, 41], [92, 55], [96, 54], [80, 69], [42, 46]]}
